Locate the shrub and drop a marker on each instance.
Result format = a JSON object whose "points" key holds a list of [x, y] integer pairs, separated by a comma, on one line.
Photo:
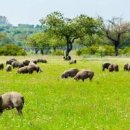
{"points": [[97, 50], [11, 49], [93, 50], [108, 50], [58, 52], [87, 51], [79, 52], [82, 51], [126, 51]]}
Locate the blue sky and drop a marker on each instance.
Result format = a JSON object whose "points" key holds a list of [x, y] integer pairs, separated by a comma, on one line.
{"points": [[30, 11]]}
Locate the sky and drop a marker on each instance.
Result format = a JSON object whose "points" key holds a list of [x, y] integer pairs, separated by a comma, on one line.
{"points": [[30, 11]]}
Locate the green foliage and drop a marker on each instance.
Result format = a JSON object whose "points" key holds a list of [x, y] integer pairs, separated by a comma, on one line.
{"points": [[52, 20], [92, 50], [39, 40], [126, 51], [108, 50], [79, 52], [17, 34], [58, 52], [11, 49], [2, 36], [94, 39], [86, 25], [71, 29], [44, 40], [88, 51], [55, 41], [5, 39], [105, 50]]}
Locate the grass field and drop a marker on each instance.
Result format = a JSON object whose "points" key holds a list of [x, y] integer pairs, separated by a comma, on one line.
{"points": [[52, 103]]}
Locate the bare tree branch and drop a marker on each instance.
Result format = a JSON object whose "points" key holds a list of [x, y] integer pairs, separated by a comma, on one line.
{"points": [[115, 29]]}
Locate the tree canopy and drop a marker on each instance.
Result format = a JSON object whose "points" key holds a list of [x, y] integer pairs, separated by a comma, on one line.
{"points": [[71, 29]]}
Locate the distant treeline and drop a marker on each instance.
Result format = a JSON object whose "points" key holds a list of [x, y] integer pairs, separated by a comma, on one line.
{"points": [[59, 35], [16, 34]]}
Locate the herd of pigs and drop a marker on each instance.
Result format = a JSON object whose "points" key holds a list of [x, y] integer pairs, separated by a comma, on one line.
{"points": [[23, 67], [12, 100]]}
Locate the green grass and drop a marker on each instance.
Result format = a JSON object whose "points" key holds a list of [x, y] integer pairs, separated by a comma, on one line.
{"points": [[52, 103]]}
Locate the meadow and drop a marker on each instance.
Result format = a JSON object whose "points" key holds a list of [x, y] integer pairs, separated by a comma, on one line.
{"points": [[52, 103]]}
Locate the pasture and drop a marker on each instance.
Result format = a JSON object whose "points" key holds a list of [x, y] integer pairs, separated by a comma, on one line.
{"points": [[52, 103]]}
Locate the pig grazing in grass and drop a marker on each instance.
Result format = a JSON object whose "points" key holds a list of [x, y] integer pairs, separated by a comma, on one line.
{"points": [[35, 67], [84, 74], [16, 64], [8, 68], [105, 66], [9, 62], [29, 69], [26, 62], [33, 61], [113, 67], [73, 62], [41, 60], [1, 66], [11, 100], [127, 67], [69, 73], [25, 70]]}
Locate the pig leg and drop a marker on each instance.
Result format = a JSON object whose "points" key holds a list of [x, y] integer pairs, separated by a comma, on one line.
{"points": [[1, 111]]}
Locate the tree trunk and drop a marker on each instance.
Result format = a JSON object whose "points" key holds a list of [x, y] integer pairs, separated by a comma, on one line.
{"points": [[116, 48], [36, 50], [68, 49], [54, 48], [42, 52], [69, 43], [116, 42]]}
